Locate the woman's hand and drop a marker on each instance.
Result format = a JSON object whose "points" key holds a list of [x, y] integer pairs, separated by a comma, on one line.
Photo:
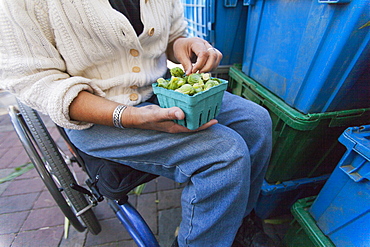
{"points": [[153, 117], [189, 50]]}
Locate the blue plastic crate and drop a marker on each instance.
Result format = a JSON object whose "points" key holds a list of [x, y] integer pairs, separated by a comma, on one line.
{"points": [[312, 54], [277, 199], [222, 23], [342, 208]]}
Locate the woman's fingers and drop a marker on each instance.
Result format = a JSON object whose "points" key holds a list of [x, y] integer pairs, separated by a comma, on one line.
{"points": [[154, 117], [207, 60], [207, 57]]}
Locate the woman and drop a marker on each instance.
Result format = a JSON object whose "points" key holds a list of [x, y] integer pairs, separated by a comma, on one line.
{"points": [[89, 65]]}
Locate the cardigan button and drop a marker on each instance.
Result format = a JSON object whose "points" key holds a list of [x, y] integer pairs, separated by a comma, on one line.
{"points": [[134, 97], [151, 31], [134, 52], [136, 69]]}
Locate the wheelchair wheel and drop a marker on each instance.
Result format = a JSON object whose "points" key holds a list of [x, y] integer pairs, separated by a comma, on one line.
{"points": [[54, 171]]}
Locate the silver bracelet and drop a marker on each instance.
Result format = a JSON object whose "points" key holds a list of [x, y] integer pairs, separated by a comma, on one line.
{"points": [[117, 114]]}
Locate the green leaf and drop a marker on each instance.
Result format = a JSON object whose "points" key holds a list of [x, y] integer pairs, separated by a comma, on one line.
{"points": [[18, 171], [365, 25], [66, 227], [139, 189]]}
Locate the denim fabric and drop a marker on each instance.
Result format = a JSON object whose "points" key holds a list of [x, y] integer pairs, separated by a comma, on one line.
{"points": [[223, 166]]}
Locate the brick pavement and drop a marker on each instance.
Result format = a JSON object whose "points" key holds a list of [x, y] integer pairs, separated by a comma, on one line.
{"points": [[30, 217]]}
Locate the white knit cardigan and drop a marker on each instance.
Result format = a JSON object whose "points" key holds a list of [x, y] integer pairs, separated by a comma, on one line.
{"points": [[50, 50]]}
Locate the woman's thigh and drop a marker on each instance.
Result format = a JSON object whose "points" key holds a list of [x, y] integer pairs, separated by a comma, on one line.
{"points": [[176, 156]]}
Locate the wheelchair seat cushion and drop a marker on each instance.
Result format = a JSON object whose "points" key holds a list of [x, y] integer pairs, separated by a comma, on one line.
{"points": [[113, 180]]}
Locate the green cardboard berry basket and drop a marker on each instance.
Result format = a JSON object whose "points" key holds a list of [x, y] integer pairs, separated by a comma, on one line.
{"points": [[199, 108]]}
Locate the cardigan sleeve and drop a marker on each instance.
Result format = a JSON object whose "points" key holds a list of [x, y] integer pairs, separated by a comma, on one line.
{"points": [[31, 66], [178, 26]]}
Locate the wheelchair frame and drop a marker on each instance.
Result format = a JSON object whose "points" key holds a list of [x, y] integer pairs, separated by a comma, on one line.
{"points": [[76, 202]]}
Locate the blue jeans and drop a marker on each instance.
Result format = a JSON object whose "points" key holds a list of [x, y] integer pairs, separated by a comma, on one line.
{"points": [[223, 166]]}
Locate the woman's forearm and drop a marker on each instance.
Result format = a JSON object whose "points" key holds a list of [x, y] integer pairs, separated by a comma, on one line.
{"points": [[90, 108]]}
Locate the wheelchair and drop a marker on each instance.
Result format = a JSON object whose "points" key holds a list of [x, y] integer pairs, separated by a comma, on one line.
{"points": [[106, 179]]}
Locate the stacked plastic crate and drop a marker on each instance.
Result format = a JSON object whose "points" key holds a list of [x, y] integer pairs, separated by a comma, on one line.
{"points": [[307, 62], [340, 215], [221, 23]]}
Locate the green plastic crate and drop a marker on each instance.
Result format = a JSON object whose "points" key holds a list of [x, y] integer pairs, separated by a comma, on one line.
{"points": [[199, 108], [221, 72], [304, 145], [303, 230]]}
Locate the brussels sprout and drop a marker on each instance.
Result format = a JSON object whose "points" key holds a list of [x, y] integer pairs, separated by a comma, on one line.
{"points": [[181, 82], [210, 83], [217, 79], [206, 76], [188, 84], [162, 82], [173, 83], [194, 78], [186, 89], [198, 87], [177, 72]]}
